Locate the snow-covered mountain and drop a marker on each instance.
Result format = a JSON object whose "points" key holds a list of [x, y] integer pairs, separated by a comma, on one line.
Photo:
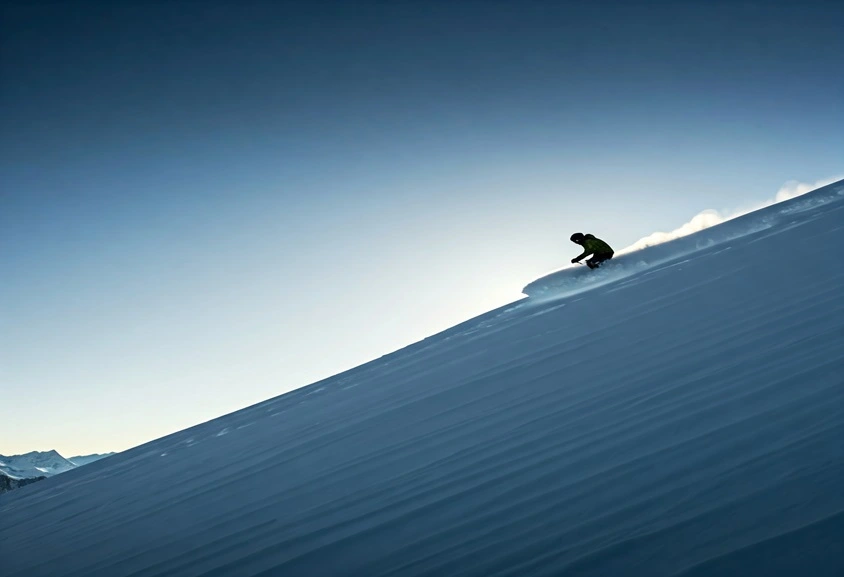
{"points": [[35, 464], [86, 459], [8, 483], [680, 412], [19, 470]]}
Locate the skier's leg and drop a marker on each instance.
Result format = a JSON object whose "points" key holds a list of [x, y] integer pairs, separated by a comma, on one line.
{"points": [[597, 259]]}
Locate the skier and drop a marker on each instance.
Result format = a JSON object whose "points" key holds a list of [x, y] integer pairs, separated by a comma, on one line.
{"points": [[600, 250]]}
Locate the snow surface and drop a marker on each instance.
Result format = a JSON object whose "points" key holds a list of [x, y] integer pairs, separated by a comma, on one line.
{"points": [[678, 413]]}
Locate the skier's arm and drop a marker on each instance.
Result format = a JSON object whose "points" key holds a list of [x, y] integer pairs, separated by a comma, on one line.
{"points": [[586, 253]]}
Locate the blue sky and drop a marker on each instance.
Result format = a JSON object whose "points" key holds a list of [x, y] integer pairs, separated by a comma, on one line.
{"points": [[204, 205]]}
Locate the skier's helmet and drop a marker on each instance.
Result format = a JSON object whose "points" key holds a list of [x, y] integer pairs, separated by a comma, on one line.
{"points": [[577, 237]]}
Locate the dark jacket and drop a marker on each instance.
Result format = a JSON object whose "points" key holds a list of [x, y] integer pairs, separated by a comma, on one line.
{"points": [[592, 245]]}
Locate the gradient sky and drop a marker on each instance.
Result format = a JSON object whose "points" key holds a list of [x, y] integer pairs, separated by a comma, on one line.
{"points": [[206, 204]]}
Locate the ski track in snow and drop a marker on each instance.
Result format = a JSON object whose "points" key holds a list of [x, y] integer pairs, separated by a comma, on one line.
{"points": [[684, 419]]}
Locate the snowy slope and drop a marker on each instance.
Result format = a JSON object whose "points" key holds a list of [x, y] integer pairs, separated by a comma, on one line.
{"points": [[712, 241], [685, 417], [34, 464]]}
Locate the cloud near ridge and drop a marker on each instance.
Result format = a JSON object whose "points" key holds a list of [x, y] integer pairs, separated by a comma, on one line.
{"points": [[708, 218]]}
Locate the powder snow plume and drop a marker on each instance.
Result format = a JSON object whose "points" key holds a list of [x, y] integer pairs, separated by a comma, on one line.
{"points": [[710, 217]]}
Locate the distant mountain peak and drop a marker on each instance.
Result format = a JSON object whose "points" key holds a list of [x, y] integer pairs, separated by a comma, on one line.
{"points": [[36, 464], [86, 459], [50, 453]]}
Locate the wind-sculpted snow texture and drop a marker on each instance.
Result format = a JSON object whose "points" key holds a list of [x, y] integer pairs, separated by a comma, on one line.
{"points": [[686, 419]]}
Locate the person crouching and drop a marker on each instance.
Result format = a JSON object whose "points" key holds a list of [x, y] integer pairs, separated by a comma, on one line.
{"points": [[599, 250]]}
